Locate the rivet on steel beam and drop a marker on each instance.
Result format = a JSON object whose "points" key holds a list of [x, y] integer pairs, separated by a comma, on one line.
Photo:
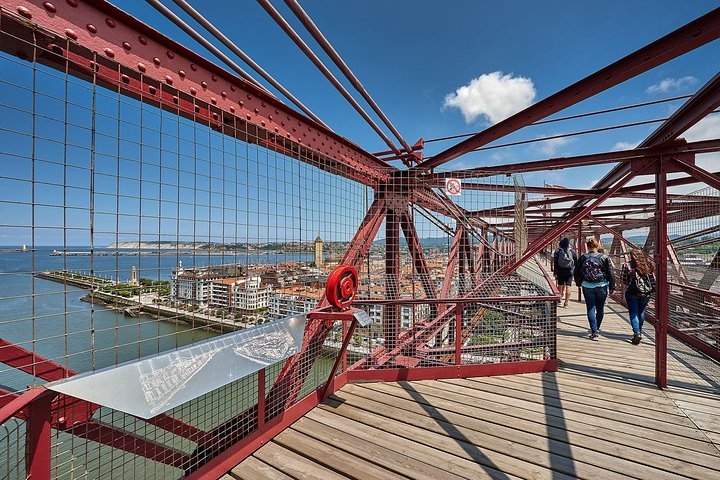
{"points": [[50, 7], [249, 96], [126, 46], [168, 79], [193, 91], [110, 22], [262, 123], [203, 84], [72, 3], [175, 99], [262, 104], [197, 109], [215, 115], [56, 49], [193, 67], [142, 40], [95, 67], [152, 90], [270, 117], [213, 100], [232, 109], [125, 78], [70, 33], [156, 61], [282, 124], [91, 28], [181, 73], [109, 53], [241, 103], [248, 116], [223, 94], [257, 111], [214, 78], [277, 129], [170, 55], [232, 88], [141, 66], [24, 12]]}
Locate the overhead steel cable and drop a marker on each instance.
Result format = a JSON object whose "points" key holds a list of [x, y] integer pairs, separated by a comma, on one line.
{"points": [[344, 68], [170, 15], [207, 25], [275, 15], [571, 117]]}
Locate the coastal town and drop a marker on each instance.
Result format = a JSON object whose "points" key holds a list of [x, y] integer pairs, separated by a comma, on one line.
{"points": [[234, 296]]}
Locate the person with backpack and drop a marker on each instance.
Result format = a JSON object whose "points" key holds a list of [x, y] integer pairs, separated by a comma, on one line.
{"points": [[638, 277], [594, 273], [564, 260]]}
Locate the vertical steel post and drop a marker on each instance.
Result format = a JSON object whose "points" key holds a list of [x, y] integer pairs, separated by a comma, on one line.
{"points": [[261, 398], [391, 312], [580, 245], [458, 333], [37, 441], [661, 293]]}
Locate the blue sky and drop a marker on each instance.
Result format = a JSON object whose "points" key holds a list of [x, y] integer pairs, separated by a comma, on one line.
{"points": [[410, 55]]}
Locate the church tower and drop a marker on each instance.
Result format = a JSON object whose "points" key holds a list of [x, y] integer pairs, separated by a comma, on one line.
{"points": [[318, 252]]}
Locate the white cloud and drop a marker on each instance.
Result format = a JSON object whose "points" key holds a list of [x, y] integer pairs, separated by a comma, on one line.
{"points": [[624, 146], [492, 95], [671, 85], [706, 129], [551, 145]]}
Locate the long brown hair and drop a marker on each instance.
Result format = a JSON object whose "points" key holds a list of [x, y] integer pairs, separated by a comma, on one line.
{"points": [[642, 262]]}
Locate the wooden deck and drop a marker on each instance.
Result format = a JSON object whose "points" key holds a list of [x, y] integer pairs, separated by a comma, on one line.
{"points": [[599, 417]]}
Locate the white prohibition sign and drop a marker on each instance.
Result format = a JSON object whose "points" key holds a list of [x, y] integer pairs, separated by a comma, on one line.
{"points": [[452, 186]]}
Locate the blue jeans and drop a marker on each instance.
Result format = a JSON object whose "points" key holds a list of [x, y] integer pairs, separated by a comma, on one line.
{"points": [[595, 303], [636, 309]]}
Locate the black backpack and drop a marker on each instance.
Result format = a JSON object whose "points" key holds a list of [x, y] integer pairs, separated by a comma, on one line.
{"points": [[642, 285]]}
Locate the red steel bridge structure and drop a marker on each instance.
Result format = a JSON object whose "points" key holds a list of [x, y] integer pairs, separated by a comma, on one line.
{"points": [[493, 268]]}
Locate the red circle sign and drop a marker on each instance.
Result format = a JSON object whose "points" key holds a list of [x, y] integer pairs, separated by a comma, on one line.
{"points": [[453, 186], [342, 286]]}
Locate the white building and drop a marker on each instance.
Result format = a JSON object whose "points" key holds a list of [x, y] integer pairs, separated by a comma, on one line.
{"points": [[246, 294], [193, 287], [294, 300]]}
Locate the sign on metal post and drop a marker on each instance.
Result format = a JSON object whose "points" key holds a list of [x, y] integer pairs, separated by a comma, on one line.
{"points": [[453, 186]]}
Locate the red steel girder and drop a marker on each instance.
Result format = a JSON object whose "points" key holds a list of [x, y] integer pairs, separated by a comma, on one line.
{"points": [[688, 37], [129, 56], [416, 253], [704, 146]]}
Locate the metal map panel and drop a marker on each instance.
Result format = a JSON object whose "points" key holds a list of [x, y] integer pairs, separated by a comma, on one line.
{"points": [[152, 386]]}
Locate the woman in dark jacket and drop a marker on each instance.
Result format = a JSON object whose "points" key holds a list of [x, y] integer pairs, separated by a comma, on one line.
{"points": [[594, 273]]}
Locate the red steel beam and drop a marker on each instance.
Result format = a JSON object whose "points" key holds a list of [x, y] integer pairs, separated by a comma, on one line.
{"points": [[130, 57], [711, 179], [415, 248], [662, 290]]}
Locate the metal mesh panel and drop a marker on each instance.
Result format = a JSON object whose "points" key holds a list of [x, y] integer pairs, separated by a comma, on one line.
{"points": [[132, 227]]}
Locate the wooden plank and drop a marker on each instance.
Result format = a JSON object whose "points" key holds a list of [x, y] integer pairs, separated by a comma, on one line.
{"points": [[666, 411], [293, 464], [252, 469], [446, 461], [681, 461], [483, 456], [675, 424], [608, 422], [386, 454], [330, 456], [524, 447]]}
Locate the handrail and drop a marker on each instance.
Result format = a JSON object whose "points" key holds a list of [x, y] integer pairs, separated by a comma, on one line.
{"points": [[20, 402], [694, 288]]}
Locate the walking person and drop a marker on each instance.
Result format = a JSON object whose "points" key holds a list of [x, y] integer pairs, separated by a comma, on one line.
{"points": [[638, 277], [564, 260], [594, 273]]}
